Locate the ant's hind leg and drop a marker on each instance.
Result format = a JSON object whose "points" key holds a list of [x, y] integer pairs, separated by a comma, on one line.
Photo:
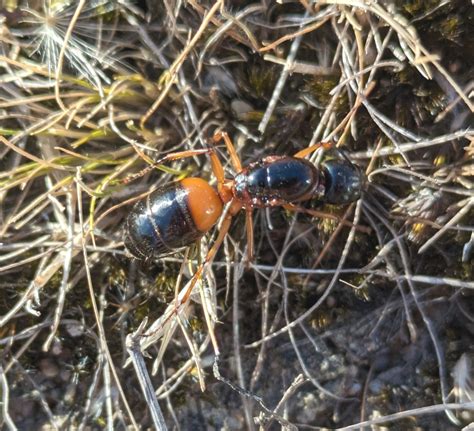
{"points": [[322, 214], [250, 240], [210, 255], [198, 275], [168, 158], [184, 294], [307, 151]]}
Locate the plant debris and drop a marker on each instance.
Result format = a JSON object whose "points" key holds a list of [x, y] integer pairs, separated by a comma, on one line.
{"points": [[360, 318]]}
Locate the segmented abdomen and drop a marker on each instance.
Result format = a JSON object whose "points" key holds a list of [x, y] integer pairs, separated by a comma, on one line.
{"points": [[161, 223]]}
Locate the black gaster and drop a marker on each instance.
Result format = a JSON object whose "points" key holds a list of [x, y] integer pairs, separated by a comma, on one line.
{"points": [[160, 224], [277, 180]]}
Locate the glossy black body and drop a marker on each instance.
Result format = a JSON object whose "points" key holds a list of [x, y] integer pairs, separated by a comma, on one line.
{"points": [[343, 181], [277, 180], [161, 223]]}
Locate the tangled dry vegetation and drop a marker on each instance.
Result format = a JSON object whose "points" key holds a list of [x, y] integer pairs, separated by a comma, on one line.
{"points": [[366, 324]]}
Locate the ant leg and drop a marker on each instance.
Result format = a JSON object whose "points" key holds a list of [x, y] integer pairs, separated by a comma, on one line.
{"points": [[305, 152], [182, 155], [234, 157], [183, 297], [224, 191], [209, 257], [321, 214], [188, 289], [217, 167], [169, 157], [249, 228], [218, 170]]}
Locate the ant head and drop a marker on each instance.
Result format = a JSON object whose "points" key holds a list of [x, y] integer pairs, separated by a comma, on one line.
{"points": [[344, 181]]}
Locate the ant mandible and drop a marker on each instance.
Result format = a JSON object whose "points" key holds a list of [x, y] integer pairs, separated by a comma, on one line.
{"points": [[177, 215]]}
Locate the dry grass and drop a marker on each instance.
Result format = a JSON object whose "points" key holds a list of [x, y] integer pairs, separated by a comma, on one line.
{"points": [[366, 323]]}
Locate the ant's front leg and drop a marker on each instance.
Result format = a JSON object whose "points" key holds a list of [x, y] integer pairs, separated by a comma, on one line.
{"points": [[234, 157]]}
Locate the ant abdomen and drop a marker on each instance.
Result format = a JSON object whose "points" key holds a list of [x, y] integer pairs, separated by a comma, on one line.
{"points": [[172, 217]]}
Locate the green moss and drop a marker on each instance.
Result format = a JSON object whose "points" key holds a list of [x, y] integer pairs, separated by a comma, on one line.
{"points": [[322, 320], [261, 80], [414, 8], [450, 27], [319, 88]]}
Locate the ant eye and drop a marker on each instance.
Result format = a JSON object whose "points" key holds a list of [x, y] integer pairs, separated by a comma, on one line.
{"points": [[343, 182]]}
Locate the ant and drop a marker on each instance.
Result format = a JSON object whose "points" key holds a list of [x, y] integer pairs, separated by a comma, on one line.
{"points": [[180, 213], [176, 215]]}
